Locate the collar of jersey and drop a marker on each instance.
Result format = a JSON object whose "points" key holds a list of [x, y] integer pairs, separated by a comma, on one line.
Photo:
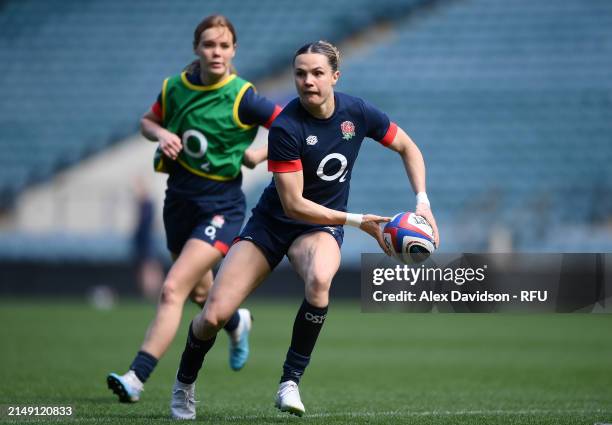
{"points": [[215, 86]]}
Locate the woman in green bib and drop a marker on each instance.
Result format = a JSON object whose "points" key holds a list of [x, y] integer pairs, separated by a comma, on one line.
{"points": [[204, 121]]}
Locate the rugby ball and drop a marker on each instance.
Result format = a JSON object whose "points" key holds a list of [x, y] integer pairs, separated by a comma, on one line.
{"points": [[410, 237]]}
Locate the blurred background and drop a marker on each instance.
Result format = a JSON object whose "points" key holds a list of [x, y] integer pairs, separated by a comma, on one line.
{"points": [[510, 103]]}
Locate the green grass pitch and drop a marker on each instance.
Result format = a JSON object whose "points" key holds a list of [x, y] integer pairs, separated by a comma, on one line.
{"points": [[366, 369]]}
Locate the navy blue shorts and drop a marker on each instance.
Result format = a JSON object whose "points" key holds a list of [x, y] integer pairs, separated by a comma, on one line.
{"points": [[274, 237], [214, 222]]}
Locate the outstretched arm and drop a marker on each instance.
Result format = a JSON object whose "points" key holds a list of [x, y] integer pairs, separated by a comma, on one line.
{"points": [[415, 168]]}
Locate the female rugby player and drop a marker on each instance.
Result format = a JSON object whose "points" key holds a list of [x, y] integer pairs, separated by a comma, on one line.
{"points": [[313, 145], [204, 120]]}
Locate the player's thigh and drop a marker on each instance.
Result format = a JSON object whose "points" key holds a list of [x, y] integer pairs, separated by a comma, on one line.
{"points": [[242, 270], [316, 258], [201, 289], [195, 260]]}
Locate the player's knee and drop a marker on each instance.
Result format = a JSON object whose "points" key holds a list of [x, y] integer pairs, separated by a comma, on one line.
{"points": [[320, 282], [214, 320], [170, 293], [318, 286]]}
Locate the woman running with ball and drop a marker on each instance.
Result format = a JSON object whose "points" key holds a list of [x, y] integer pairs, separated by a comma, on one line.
{"points": [[204, 120], [313, 145]]}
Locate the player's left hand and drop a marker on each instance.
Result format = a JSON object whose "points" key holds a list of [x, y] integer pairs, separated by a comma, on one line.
{"points": [[424, 211], [371, 225]]}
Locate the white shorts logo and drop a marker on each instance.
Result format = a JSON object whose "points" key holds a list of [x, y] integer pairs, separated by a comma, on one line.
{"points": [[210, 231], [332, 230]]}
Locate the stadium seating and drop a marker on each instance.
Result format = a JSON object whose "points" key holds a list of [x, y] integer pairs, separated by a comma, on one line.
{"points": [[510, 103], [78, 75]]}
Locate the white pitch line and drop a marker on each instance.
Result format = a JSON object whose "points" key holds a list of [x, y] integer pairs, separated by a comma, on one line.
{"points": [[430, 413]]}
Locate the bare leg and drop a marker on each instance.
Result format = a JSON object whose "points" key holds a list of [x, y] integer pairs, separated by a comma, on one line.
{"points": [[195, 260], [199, 294], [316, 258], [243, 270]]}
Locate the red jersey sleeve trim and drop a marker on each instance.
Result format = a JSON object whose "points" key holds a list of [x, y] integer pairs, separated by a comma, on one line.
{"points": [[390, 135], [157, 110], [277, 110], [284, 166]]}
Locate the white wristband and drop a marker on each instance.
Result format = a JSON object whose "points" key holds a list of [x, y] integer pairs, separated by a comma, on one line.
{"points": [[353, 219], [421, 198]]}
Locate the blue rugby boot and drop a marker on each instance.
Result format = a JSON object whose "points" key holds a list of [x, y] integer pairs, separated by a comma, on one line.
{"points": [[239, 340]]}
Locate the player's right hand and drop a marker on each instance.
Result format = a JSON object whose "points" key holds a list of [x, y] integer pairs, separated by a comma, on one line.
{"points": [[371, 225], [424, 211], [170, 144]]}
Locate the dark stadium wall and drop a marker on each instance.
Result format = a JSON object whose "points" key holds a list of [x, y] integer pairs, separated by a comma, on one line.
{"points": [[23, 279]]}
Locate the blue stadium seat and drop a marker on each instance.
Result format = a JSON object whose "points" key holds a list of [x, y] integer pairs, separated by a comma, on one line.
{"points": [[78, 75], [510, 104], [509, 101]]}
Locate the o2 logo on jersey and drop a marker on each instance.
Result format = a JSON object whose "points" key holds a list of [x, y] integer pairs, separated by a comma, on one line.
{"points": [[195, 145], [333, 157]]}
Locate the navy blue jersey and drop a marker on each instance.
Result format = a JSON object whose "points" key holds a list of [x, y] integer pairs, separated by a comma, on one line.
{"points": [[325, 149], [253, 109]]}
